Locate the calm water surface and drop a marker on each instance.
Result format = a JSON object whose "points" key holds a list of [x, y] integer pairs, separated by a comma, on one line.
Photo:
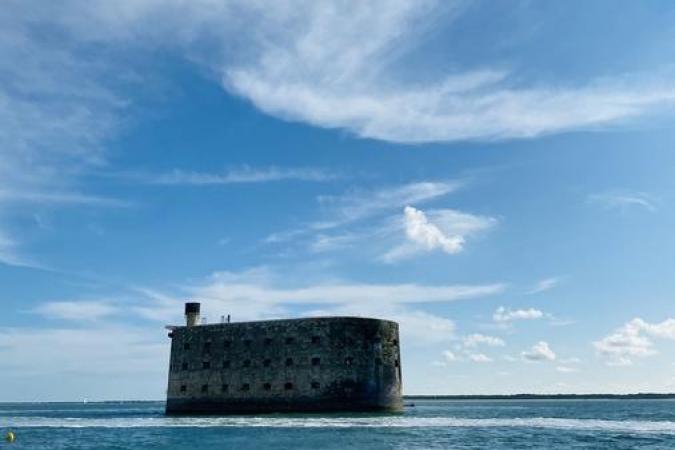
{"points": [[597, 424]]}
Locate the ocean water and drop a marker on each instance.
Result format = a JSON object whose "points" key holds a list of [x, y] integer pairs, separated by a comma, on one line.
{"points": [[430, 424]]}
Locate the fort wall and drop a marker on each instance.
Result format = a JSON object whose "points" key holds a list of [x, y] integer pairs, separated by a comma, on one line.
{"points": [[314, 364]]}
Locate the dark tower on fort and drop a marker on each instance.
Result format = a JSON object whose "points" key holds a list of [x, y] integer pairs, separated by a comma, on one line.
{"points": [[312, 364]]}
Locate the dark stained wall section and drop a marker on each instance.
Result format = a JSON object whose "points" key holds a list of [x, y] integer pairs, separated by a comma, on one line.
{"points": [[316, 364]]}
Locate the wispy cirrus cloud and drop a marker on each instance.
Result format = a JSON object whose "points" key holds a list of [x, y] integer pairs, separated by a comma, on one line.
{"points": [[307, 62], [358, 89], [624, 200], [360, 204], [264, 293], [544, 285], [80, 310], [8, 252], [241, 175]]}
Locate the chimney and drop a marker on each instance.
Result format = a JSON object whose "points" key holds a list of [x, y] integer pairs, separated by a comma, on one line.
{"points": [[192, 314]]}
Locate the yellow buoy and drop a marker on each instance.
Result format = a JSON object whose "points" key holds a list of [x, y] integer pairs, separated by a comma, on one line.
{"points": [[10, 437]]}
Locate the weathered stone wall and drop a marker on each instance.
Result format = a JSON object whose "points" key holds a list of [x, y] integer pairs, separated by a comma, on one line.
{"points": [[317, 364]]}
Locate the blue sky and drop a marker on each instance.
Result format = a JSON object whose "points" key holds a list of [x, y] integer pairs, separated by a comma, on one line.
{"points": [[495, 177]]}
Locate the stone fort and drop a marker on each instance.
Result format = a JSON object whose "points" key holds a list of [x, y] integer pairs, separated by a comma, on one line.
{"points": [[306, 364]]}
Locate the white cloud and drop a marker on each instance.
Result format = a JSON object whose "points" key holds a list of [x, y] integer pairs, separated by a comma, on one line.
{"points": [[624, 200], [61, 198], [544, 285], [539, 352], [57, 108], [505, 315], [633, 339], [240, 175], [261, 293], [357, 206], [8, 253], [323, 242], [304, 61], [568, 361], [77, 310], [104, 350], [323, 74], [479, 358], [445, 230], [566, 369], [225, 287], [474, 340], [308, 61], [360, 204], [449, 356]]}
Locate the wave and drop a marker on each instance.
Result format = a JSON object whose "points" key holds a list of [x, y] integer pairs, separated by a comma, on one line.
{"points": [[627, 426]]}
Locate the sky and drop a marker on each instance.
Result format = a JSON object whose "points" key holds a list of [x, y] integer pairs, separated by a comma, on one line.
{"points": [[495, 177]]}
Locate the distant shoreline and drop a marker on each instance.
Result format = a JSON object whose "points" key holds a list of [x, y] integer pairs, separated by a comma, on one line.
{"points": [[640, 396], [647, 396]]}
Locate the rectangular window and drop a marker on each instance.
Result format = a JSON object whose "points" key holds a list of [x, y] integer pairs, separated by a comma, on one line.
{"points": [[183, 388], [268, 341], [186, 346], [289, 340], [396, 363], [206, 365], [267, 386], [226, 364], [207, 347], [205, 388], [349, 361], [226, 344], [288, 386], [184, 366], [225, 388], [245, 387], [316, 339], [316, 361], [267, 362], [247, 342], [378, 361], [247, 363], [315, 385], [289, 361]]}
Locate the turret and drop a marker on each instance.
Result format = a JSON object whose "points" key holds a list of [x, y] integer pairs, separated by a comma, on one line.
{"points": [[192, 314]]}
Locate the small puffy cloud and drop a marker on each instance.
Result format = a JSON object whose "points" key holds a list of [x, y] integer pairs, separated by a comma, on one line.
{"points": [[449, 356], [505, 315], [539, 352], [429, 236], [76, 310], [633, 339], [479, 357], [443, 230], [474, 340]]}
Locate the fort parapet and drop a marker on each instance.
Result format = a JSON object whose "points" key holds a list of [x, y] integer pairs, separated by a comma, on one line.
{"points": [[309, 364]]}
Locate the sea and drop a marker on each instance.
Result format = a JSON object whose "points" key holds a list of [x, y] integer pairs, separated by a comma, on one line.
{"points": [[425, 424]]}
